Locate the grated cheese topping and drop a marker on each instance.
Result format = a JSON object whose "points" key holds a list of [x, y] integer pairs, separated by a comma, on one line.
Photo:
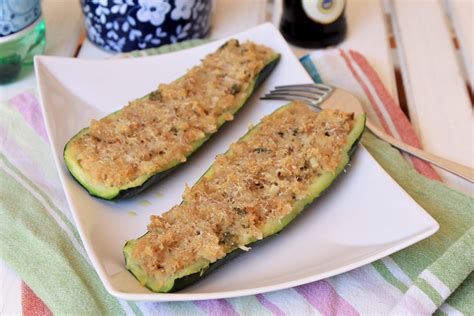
{"points": [[255, 184], [152, 133]]}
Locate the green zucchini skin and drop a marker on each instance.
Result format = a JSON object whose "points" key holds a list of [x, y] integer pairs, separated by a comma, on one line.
{"points": [[187, 280], [155, 178], [190, 279]]}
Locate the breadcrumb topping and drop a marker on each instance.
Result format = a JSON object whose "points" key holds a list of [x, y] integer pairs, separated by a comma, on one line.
{"points": [[256, 183], [158, 130]]}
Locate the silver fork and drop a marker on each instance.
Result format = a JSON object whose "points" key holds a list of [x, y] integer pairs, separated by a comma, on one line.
{"points": [[320, 96]]}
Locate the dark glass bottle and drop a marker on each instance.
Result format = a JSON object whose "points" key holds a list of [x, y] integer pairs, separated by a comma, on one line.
{"points": [[313, 23]]}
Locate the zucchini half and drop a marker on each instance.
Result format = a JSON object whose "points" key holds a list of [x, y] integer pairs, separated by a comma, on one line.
{"points": [[189, 275], [145, 181]]}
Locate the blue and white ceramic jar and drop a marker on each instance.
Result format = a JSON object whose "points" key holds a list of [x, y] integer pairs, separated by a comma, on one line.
{"points": [[126, 25]]}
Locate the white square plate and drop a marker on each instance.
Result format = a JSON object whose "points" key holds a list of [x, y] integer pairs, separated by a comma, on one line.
{"points": [[363, 217]]}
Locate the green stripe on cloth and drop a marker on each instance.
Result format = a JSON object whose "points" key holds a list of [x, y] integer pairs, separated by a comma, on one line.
{"points": [[388, 276], [28, 140], [41, 252], [457, 262], [248, 305], [135, 308], [452, 209], [430, 291], [463, 298], [48, 201]]}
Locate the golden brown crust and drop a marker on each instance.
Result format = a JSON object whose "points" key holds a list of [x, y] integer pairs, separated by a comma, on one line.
{"points": [[257, 182], [151, 133]]}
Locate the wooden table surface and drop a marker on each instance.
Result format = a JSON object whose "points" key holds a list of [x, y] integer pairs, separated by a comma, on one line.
{"points": [[422, 50]]}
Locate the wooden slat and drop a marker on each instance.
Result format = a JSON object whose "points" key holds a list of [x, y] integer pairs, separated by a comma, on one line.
{"points": [[63, 27], [369, 37], [234, 16], [462, 16], [367, 33], [438, 102]]}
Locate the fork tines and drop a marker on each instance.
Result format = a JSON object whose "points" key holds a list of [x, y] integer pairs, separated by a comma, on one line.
{"points": [[308, 86], [312, 94]]}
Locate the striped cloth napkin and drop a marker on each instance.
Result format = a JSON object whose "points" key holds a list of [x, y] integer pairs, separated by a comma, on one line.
{"points": [[39, 241]]}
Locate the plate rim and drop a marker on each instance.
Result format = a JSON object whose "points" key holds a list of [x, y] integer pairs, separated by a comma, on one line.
{"points": [[182, 296]]}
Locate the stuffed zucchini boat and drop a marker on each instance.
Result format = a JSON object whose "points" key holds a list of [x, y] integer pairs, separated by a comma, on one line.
{"points": [[248, 194], [127, 151]]}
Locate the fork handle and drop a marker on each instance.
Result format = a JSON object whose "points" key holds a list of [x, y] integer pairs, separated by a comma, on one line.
{"points": [[451, 166]]}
